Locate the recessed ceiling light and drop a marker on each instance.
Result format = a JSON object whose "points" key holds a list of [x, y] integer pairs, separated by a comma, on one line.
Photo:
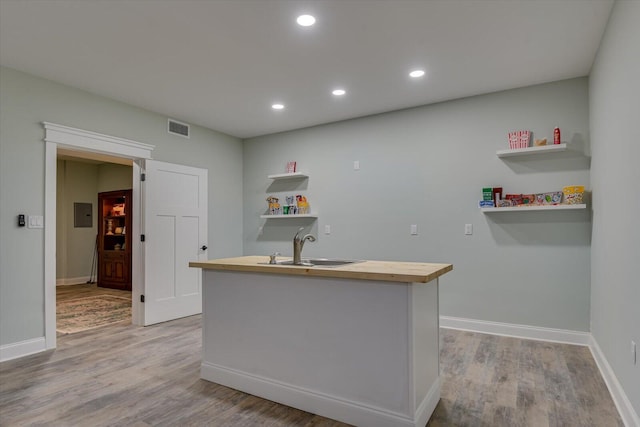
{"points": [[339, 92], [416, 73], [277, 106], [306, 20]]}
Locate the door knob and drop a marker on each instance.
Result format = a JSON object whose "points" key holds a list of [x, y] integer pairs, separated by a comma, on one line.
{"points": [[204, 247]]}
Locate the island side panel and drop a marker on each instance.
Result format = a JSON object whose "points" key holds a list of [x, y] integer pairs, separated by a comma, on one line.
{"points": [[425, 321], [346, 340]]}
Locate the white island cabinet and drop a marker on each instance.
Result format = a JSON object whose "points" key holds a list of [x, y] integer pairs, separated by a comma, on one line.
{"points": [[357, 343]]}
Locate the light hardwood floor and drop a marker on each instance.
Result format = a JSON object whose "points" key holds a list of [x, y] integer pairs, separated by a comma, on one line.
{"points": [[490, 380], [123, 375]]}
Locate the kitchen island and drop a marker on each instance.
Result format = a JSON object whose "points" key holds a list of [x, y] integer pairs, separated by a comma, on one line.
{"points": [[358, 343]]}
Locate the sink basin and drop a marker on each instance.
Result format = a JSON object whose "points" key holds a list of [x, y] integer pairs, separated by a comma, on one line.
{"points": [[324, 262], [305, 263], [320, 262]]}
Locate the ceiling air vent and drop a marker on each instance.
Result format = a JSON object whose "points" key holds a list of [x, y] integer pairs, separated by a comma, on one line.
{"points": [[177, 128]]}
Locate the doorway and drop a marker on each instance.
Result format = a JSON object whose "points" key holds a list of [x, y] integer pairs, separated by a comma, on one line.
{"points": [[169, 296], [97, 146], [81, 302]]}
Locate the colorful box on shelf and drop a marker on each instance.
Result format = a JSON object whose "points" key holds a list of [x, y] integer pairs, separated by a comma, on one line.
{"points": [[573, 194], [519, 139], [487, 193], [485, 204]]}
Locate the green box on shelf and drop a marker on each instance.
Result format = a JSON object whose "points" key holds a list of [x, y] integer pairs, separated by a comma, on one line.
{"points": [[487, 193]]}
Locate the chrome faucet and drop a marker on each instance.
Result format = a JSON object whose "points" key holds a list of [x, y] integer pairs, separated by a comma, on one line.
{"points": [[298, 243]]}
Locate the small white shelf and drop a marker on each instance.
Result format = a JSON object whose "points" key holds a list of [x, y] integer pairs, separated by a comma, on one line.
{"points": [[289, 216], [298, 175], [532, 150], [533, 208]]}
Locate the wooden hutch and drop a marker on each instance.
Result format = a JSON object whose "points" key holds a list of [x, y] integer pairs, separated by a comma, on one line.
{"points": [[114, 248]]}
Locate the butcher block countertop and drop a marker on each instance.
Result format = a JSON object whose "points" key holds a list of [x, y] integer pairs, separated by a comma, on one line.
{"points": [[389, 271]]}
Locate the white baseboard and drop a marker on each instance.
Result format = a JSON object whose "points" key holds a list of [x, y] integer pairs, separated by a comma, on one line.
{"points": [[316, 402], [22, 348], [517, 331], [625, 409], [620, 399], [72, 281]]}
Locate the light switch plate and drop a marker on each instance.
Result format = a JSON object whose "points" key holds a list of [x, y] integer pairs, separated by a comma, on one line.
{"points": [[468, 229], [35, 221], [414, 229], [356, 165]]}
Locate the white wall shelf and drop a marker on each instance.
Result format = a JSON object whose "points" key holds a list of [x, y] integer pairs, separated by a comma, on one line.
{"points": [[287, 176], [534, 208], [289, 216], [298, 175], [544, 149]]}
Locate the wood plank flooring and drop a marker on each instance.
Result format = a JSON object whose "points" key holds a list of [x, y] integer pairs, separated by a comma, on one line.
{"points": [[490, 380], [123, 375]]}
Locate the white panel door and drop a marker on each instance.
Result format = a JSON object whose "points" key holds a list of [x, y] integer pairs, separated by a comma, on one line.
{"points": [[175, 230]]}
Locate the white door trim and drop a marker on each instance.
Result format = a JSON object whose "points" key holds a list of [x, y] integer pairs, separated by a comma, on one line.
{"points": [[83, 140]]}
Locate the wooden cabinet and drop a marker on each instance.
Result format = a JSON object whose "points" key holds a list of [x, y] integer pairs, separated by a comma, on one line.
{"points": [[114, 248]]}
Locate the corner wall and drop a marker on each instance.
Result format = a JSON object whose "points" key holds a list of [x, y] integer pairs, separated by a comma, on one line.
{"points": [[615, 254], [77, 182], [427, 166]]}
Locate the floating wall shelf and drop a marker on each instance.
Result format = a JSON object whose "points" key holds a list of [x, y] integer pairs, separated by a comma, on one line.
{"points": [[533, 208], [278, 176], [532, 150], [289, 216]]}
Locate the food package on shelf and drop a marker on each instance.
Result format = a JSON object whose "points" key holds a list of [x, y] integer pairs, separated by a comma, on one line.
{"points": [[573, 194], [519, 139], [274, 206], [303, 205], [551, 198]]}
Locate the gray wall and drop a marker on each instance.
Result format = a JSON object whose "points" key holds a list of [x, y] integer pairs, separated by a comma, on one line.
{"points": [[427, 166], [79, 181], [615, 253], [25, 102], [112, 177]]}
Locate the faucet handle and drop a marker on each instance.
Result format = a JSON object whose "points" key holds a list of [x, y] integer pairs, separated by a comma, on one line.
{"points": [[272, 258]]}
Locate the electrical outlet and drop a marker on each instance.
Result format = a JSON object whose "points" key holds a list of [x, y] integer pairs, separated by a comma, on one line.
{"points": [[634, 355]]}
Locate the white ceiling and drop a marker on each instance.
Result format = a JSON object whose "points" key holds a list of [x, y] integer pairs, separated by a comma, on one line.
{"points": [[222, 63]]}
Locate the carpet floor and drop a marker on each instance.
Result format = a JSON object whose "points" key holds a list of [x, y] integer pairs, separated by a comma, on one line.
{"points": [[91, 312]]}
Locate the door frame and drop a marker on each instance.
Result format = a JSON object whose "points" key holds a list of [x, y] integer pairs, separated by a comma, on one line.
{"points": [[86, 141]]}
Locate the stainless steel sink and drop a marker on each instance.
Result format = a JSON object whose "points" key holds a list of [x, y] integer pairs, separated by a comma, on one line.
{"points": [[290, 262], [320, 262], [330, 262]]}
